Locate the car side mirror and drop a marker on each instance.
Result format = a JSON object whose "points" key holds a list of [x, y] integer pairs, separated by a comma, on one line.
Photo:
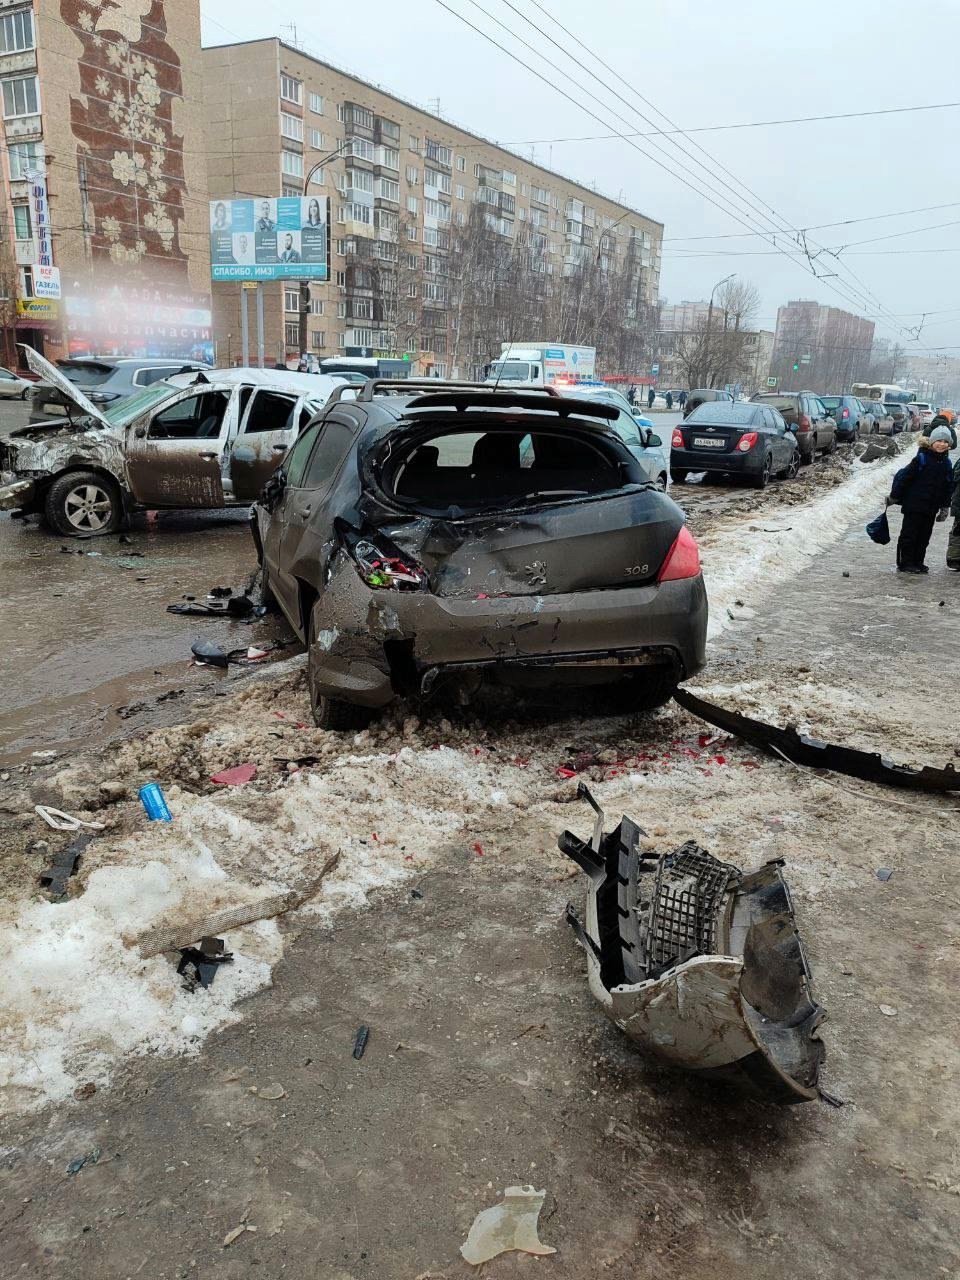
{"points": [[653, 440], [141, 433], [792, 426]]}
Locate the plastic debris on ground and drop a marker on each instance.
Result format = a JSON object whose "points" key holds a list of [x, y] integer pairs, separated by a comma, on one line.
{"points": [[61, 821], [208, 654], [510, 1225], [62, 866], [236, 776], [90, 1158], [360, 1042], [199, 965]]}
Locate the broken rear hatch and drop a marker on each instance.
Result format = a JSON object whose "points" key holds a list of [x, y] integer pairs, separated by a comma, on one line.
{"points": [[497, 510]]}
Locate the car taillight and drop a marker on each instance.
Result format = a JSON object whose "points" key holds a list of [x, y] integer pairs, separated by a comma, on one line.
{"points": [[683, 558], [677, 441], [747, 441], [846, 413], [380, 568], [804, 422]]}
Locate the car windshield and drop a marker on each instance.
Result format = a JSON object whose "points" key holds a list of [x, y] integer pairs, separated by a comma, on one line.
{"points": [[124, 411], [510, 371], [722, 411]]}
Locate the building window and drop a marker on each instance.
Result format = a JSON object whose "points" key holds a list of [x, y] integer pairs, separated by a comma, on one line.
{"points": [[22, 229], [291, 163], [316, 177], [411, 231], [287, 190], [316, 140], [359, 180], [357, 213], [318, 339], [460, 192], [442, 155], [413, 204], [291, 90], [316, 104], [26, 282], [509, 179], [16, 31], [341, 279], [461, 164], [291, 300], [25, 157], [433, 178], [340, 112], [414, 144], [360, 116], [292, 334], [341, 310], [362, 308], [388, 129], [291, 126], [387, 189], [411, 290], [388, 158], [21, 97], [316, 306], [461, 218], [413, 175], [362, 148]]}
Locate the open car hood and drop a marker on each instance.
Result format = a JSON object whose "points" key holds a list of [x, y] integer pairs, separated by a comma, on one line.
{"points": [[51, 374]]}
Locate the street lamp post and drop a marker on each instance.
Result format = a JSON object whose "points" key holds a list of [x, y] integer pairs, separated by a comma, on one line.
{"points": [[344, 148], [713, 291]]}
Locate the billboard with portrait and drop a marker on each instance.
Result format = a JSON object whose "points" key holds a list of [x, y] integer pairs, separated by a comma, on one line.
{"points": [[269, 238]]}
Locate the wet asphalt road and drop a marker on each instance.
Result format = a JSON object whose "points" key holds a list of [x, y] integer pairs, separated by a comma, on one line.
{"points": [[84, 635], [86, 632]]}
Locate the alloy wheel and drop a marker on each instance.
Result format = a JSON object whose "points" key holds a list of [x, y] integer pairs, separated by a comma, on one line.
{"points": [[88, 508]]}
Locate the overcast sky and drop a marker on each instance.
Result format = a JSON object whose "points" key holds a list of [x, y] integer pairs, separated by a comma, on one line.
{"points": [[703, 64]]}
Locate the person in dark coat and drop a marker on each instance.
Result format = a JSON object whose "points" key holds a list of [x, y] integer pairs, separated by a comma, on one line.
{"points": [[945, 419], [922, 489], [682, 399], [651, 396], [669, 399], [953, 542], [632, 395]]}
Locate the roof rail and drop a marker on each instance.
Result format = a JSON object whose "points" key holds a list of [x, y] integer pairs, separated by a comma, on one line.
{"points": [[386, 386]]}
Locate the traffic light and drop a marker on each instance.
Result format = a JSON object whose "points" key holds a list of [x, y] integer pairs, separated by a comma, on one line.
{"points": [[796, 366]]}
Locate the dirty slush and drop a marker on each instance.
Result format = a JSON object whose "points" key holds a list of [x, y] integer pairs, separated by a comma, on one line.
{"points": [[339, 1004]]}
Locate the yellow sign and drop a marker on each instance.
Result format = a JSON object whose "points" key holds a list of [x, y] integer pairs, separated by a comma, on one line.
{"points": [[250, 284], [37, 309]]}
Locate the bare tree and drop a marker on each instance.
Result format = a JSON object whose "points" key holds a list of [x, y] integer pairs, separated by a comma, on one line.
{"points": [[717, 350]]}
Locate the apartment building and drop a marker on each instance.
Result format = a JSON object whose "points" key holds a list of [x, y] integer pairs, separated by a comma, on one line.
{"points": [[750, 356], [404, 193], [830, 347], [104, 195]]}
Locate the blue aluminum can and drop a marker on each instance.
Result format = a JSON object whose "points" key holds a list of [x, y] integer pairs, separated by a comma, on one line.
{"points": [[154, 803]]}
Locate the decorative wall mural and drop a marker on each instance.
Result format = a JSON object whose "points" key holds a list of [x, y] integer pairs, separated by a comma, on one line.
{"points": [[130, 78]]}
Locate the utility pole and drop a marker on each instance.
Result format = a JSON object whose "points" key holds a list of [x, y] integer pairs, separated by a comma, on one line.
{"points": [[713, 291], [345, 148]]}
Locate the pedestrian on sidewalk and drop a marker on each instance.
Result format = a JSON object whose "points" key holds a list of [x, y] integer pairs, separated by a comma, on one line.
{"points": [[632, 395], [682, 399], [651, 396], [669, 399], [945, 418], [922, 489], [953, 542]]}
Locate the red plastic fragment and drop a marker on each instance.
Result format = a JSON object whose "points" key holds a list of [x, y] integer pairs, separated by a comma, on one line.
{"points": [[235, 777]]}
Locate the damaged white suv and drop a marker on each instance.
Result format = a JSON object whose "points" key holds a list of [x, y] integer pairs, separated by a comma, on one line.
{"points": [[210, 442]]}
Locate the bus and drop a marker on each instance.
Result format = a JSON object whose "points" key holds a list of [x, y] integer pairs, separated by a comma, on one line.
{"points": [[885, 392], [360, 368]]}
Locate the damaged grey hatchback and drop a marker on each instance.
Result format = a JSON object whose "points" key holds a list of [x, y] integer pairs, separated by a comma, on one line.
{"points": [[436, 535]]}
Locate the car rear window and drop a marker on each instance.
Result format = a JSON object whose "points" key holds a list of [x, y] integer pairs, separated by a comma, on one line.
{"points": [[779, 402], [86, 373], [465, 470], [832, 402], [724, 411]]}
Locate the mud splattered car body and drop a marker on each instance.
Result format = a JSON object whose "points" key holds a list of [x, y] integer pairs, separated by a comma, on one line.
{"points": [[447, 533], [209, 444]]}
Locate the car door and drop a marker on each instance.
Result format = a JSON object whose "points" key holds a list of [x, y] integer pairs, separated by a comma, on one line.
{"points": [[174, 457], [300, 529], [268, 427], [826, 425]]}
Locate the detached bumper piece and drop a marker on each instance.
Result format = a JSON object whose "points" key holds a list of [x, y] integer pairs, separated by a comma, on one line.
{"points": [[797, 747], [699, 963]]}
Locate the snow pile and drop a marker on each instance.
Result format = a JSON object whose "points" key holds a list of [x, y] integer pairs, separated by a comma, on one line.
{"points": [[78, 996], [740, 560]]}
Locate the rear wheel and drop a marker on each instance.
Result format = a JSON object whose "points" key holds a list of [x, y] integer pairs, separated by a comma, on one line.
{"points": [[331, 713], [762, 479], [662, 482], [793, 467], [649, 691], [83, 504]]}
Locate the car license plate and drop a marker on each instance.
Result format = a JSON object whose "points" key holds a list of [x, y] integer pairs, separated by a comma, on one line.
{"points": [[709, 442]]}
